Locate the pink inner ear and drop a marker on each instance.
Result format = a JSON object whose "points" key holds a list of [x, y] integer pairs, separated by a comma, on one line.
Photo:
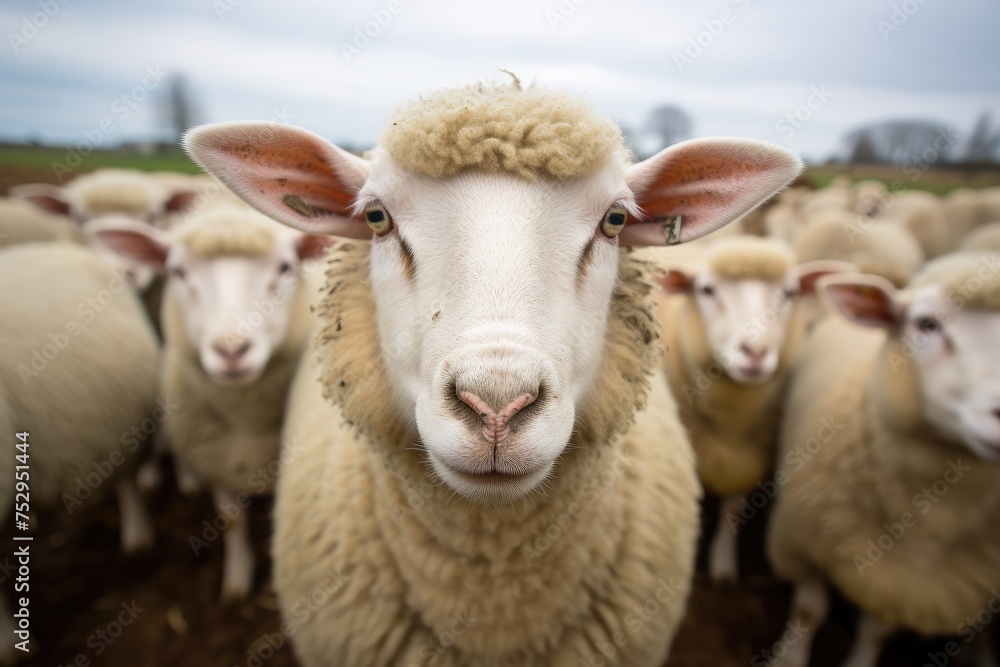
{"points": [[709, 182], [674, 282], [314, 247], [180, 201], [286, 173], [864, 304], [49, 198], [134, 246]]}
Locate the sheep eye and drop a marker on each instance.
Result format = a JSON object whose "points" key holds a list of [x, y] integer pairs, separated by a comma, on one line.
{"points": [[928, 324], [378, 218], [614, 221], [284, 267], [708, 290], [791, 294], [178, 272]]}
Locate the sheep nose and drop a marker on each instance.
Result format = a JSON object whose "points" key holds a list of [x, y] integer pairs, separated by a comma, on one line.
{"points": [[232, 349], [756, 355], [496, 423]]}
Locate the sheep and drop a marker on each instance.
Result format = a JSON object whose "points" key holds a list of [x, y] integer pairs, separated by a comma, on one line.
{"points": [[235, 318], [889, 462], [483, 439], [79, 376], [731, 331], [869, 197], [21, 222], [923, 215], [984, 237], [884, 249]]}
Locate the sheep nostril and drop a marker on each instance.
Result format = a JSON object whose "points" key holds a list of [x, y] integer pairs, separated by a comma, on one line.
{"points": [[232, 351], [496, 424]]}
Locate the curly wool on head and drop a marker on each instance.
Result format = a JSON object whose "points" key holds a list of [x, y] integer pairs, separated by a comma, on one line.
{"points": [[117, 191], [747, 258], [971, 276], [533, 132], [228, 231]]}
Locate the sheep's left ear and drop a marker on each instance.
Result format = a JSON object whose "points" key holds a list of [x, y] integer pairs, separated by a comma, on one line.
{"points": [[311, 246], [867, 300], [810, 272], [132, 240], [179, 201], [677, 280], [695, 187]]}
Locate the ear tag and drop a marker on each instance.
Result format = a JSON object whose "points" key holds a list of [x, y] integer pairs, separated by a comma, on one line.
{"points": [[672, 230], [295, 203]]}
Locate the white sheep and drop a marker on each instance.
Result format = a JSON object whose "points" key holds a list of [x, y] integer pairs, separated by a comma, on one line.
{"points": [[923, 214], [235, 318], [882, 248], [984, 237], [110, 192], [469, 482], [20, 222], [731, 331], [78, 374], [889, 466]]}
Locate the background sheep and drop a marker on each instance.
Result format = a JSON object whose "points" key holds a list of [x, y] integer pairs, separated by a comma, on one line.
{"points": [[20, 222], [889, 475], [493, 332], [923, 215], [985, 237], [731, 334], [235, 317], [79, 375]]}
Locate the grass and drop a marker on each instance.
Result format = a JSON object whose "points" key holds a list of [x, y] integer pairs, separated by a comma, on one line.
{"points": [[39, 157]]}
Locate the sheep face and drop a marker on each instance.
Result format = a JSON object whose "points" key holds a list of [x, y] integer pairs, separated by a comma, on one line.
{"points": [[949, 349], [745, 322], [492, 294], [234, 299], [491, 289], [747, 319]]}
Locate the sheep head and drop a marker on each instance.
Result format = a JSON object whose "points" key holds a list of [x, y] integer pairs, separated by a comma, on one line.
{"points": [[491, 281], [941, 362]]}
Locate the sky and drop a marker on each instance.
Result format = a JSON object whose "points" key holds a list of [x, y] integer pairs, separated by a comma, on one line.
{"points": [[800, 73]]}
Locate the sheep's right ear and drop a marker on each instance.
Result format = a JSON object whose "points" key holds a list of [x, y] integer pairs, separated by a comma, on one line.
{"points": [[863, 299], [49, 198], [132, 240], [809, 273], [287, 173]]}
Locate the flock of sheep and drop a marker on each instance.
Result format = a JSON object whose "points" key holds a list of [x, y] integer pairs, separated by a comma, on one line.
{"points": [[485, 456]]}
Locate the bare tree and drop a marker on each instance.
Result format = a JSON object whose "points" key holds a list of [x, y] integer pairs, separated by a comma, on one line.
{"points": [[902, 142], [179, 107], [984, 141], [670, 124], [862, 151]]}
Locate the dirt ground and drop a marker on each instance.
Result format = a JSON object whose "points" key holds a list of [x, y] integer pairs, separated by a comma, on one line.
{"points": [[82, 587]]}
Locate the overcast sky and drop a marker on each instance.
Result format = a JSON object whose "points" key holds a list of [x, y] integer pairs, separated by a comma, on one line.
{"points": [[738, 67]]}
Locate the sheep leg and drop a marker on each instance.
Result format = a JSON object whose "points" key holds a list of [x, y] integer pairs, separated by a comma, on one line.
{"points": [[187, 482], [723, 554], [985, 648], [868, 642], [810, 606], [238, 562], [136, 526]]}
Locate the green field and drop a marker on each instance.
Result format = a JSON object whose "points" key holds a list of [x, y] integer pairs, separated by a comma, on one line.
{"points": [[39, 157]]}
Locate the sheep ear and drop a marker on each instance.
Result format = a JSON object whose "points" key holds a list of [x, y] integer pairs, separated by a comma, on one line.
{"points": [[864, 299], [695, 187], [810, 272], [132, 240], [311, 246], [180, 201], [49, 198], [287, 173], [676, 281]]}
